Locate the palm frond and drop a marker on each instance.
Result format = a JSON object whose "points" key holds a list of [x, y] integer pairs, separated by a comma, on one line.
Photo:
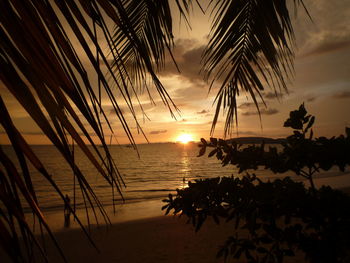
{"points": [[250, 48], [139, 45], [42, 70]]}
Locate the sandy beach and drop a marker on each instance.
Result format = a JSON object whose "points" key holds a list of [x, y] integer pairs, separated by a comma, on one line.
{"points": [[159, 239], [141, 233], [168, 239]]}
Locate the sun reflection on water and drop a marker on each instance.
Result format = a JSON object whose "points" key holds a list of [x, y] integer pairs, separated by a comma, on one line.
{"points": [[185, 170]]}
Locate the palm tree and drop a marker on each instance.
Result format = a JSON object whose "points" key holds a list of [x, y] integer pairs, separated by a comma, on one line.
{"points": [[250, 47]]}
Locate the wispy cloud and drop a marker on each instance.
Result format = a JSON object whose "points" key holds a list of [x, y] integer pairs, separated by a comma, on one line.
{"points": [[247, 133], [330, 31], [262, 112], [249, 105], [202, 112], [327, 46], [311, 98], [341, 95], [273, 95], [158, 132]]}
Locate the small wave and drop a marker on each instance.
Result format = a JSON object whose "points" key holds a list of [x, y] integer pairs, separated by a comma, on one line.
{"points": [[151, 190], [137, 199]]}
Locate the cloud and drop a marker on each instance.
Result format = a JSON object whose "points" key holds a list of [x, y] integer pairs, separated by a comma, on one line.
{"points": [[273, 95], [341, 95], [113, 113], [158, 132], [240, 133], [311, 99], [327, 45], [262, 112], [187, 94], [202, 112], [330, 31], [188, 55], [248, 105]]}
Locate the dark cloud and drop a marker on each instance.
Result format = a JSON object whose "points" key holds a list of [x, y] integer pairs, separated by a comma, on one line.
{"points": [[327, 46], [273, 95], [330, 31], [202, 112], [113, 113], [311, 99], [248, 105], [262, 112], [158, 132], [341, 95], [240, 133], [187, 54]]}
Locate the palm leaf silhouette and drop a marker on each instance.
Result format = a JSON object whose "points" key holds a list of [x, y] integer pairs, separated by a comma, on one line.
{"points": [[250, 47]]}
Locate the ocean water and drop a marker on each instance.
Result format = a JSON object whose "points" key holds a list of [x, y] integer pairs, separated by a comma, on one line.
{"points": [[160, 169]]}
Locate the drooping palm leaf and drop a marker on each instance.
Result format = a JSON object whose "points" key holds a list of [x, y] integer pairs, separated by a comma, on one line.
{"points": [[41, 68], [250, 48], [148, 28]]}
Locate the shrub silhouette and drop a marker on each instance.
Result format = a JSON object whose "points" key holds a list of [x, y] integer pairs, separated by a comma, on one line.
{"points": [[283, 216]]}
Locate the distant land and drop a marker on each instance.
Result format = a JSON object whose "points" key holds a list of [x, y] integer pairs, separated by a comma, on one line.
{"points": [[257, 140], [242, 140]]}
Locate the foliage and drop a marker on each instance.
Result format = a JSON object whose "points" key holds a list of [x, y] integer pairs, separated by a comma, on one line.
{"points": [[283, 216], [301, 153], [279, 218]]}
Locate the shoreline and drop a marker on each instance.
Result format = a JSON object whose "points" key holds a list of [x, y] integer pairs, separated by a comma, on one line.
{"points": [[132, 211], [126, 212]]}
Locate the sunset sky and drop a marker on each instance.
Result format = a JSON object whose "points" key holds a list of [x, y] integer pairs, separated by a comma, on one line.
{"points": [[322, 81]]}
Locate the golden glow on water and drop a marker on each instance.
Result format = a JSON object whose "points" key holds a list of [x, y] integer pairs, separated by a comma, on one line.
{"points": [[185, 169], [184, 138]]}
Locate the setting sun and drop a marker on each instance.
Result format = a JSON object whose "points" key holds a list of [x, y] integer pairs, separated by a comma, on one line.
{"points": [[184, 138]]}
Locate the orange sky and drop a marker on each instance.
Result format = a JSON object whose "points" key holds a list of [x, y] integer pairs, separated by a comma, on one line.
{"points": [[322, 81]]}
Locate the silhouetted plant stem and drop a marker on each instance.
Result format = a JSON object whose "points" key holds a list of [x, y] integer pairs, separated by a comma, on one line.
{"points": [[308, 176], [311, 180]]}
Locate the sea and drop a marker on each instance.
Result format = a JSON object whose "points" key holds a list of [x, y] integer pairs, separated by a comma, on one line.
{"points": [[150, 174]]}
